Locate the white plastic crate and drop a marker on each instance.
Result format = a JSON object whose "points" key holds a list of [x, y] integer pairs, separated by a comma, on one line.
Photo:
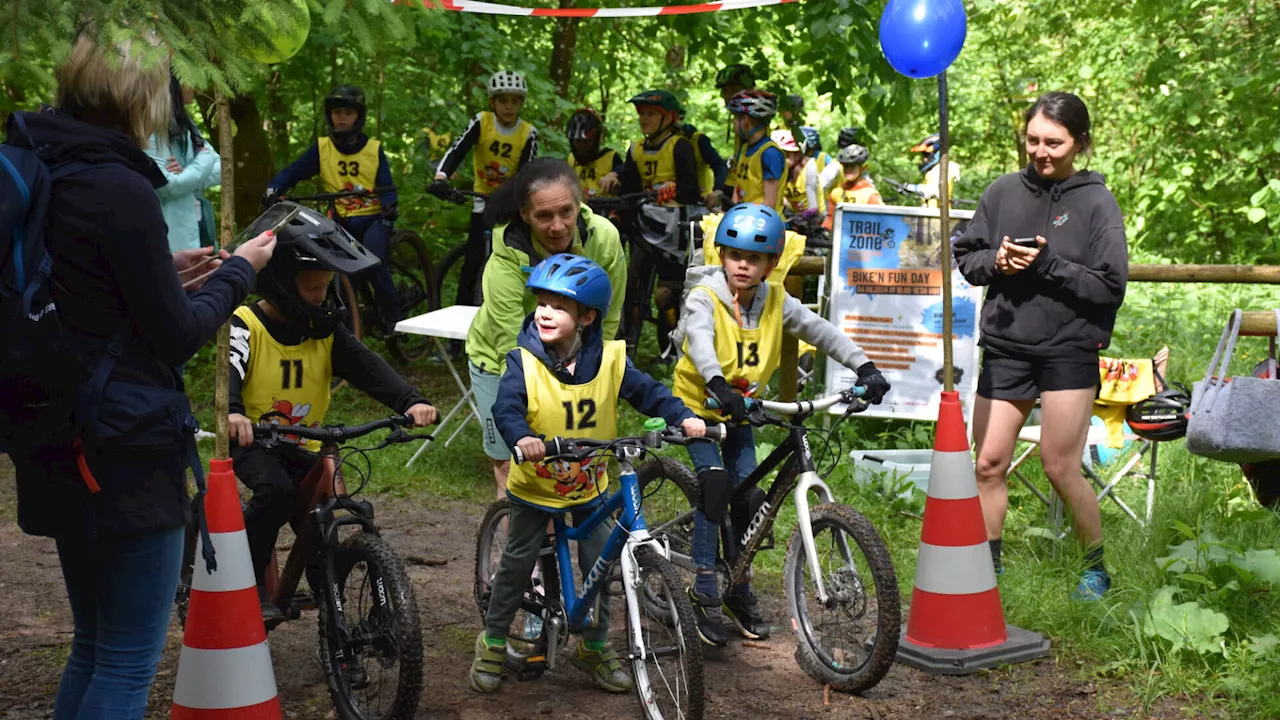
{"points": [[875, 466]]}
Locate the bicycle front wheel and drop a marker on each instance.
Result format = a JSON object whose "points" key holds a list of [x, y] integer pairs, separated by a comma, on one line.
{"points": [[667, 663], [849, 641], [413, 275], [376, 672]]}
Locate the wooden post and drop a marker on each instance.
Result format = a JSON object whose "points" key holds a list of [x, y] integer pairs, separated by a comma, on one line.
{"points": [[222, 445], [944, 213], [789, 362], [1259, 324]]}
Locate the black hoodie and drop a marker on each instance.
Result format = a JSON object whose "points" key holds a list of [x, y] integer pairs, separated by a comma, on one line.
{"points": [[1064, 305], [112, 270]]}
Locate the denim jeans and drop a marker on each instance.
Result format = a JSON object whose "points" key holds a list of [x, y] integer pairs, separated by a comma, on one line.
{"points": [[375, 233], [739, 448], [121, 590]]}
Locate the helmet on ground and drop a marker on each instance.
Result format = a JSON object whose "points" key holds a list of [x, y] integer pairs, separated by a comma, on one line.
{"points": [[584, 124], [810, 140], [785, 140], [931, 151], [507, 82], [791, 102], [737, 74], [574, 277], [751, 227], [1162, 416], [345, 96], [661, 99], [851, 155], [309, 241], [848, 136], [754, 103]]}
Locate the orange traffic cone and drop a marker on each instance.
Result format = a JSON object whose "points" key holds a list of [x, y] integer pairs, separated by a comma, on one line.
{"points": [[956, 624], [224, 671]]}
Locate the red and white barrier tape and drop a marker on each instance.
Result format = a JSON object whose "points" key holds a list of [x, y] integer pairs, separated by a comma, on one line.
{"points": [[487, 8]]}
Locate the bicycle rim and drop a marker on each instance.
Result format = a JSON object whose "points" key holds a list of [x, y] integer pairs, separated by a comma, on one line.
{"points": [[668, 667], [670, 491], [412, 273], [381, 615]]}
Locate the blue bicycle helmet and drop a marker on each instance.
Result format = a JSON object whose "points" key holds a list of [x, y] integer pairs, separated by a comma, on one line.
{"points": [[810, 140], [752, 227], [576, 277]]}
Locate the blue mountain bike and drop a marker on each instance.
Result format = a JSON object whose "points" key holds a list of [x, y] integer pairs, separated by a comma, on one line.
{"points": [[662, 644]]}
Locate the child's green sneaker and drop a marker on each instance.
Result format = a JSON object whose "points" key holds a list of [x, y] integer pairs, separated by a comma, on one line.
{"points": [[486, 669], [605, 668]]}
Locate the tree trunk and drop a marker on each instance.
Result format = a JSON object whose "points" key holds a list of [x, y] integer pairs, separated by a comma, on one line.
{"points": [[222, 356], [566, 38], [252, 155], [279, 116]]}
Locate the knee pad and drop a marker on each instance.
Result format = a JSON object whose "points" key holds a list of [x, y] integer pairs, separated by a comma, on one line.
{"points": [[743, 509], [717, 488]]}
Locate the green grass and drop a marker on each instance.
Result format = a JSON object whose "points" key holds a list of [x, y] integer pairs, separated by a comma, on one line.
{"points": [[1103, 639]]}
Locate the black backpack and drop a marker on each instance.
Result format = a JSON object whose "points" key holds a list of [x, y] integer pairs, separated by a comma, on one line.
{"points": [[38, 375]]}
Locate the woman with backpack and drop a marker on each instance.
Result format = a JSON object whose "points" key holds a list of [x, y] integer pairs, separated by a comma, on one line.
{"points": [[190, 167], [106, 475]]}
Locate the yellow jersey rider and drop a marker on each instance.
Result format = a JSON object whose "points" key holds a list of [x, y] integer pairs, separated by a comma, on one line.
{"points": [[759, 167], [597, 168], [930, 150], [664, 161], [857, 186], [350, 160], [500, 143]]}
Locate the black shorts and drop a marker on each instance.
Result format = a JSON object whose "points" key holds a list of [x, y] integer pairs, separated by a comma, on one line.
{"points": [[1023, 377]]}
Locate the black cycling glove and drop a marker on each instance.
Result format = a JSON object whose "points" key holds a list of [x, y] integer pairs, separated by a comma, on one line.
{"points": [[390, 212], [732, 404], [270, 197], [439, 188], [870, 378]]}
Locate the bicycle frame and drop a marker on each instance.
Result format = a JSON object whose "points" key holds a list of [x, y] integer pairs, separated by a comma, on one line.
{"points": [[798, 476]]}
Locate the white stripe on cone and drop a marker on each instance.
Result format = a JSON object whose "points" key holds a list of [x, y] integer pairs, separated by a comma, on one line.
{"points": [[235, 568], [965, 570], [951, 476], [223, 679]]}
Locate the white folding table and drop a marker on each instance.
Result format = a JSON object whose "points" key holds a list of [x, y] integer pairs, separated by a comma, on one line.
{"points": [[451, 323]]}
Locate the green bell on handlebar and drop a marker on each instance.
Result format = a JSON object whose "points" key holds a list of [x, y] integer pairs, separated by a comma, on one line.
{"points": [[655, 424]]}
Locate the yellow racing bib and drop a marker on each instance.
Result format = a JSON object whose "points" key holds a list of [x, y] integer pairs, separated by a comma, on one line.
{"points": [[706, 176], [589, 174], [657, 167], [748, 358], [496, 155], [290, 382], [748, 174], [357, 171], [589, 410]]}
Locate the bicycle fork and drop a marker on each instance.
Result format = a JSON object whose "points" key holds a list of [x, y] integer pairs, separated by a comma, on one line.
{"points": [[808, 481]]}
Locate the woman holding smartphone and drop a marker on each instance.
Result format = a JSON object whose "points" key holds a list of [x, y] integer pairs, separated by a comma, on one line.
{"points": [[1049, 242]]}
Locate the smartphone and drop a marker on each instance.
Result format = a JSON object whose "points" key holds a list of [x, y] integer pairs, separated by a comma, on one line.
{"points": [[1027, 242]]}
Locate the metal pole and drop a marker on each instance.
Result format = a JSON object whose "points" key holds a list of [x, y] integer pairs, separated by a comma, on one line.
{"points": [[944, 212]]}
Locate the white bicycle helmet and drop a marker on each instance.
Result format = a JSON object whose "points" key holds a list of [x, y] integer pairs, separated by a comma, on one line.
{"points": [[850, 155], [785, 140], [509, 83]]}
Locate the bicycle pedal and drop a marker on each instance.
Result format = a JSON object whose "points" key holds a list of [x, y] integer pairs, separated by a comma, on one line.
{"points": [[303, 601], [767, 542], [533, 668]]}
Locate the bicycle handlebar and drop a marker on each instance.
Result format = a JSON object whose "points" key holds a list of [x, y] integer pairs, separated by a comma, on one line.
{"points": [[621, 201], [329, 433], [560, 447], [381, 189], [805, 407]]}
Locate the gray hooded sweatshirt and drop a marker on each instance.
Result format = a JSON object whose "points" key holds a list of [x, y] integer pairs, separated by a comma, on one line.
{"points": [[698, 323]]}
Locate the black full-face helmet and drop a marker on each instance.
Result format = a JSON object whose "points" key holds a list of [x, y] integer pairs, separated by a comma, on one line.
{"points": [[345, 96]]}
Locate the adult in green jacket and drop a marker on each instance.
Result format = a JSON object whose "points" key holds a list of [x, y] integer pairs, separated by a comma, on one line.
{"points": [[536, 215]]}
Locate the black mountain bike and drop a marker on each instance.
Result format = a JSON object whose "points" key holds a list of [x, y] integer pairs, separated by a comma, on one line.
{"points": [[842, 593], [411, 269], [370, 635], [447, 271]]}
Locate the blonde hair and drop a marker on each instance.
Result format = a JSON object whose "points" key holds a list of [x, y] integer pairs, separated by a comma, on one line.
{"points": [[115, 87]]}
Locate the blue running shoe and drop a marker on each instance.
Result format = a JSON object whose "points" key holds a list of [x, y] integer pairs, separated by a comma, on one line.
{"points": [[1093, 585]]}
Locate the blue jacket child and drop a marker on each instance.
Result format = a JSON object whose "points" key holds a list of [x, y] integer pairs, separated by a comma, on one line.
{"points": [[563, 379]]}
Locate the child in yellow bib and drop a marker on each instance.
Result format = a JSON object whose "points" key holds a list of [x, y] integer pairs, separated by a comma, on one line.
{"points": [[759, 167], [350, 160], [664, 161], [597, 168], [500, 143], [732, 340], [285, 350], [563, 379]]}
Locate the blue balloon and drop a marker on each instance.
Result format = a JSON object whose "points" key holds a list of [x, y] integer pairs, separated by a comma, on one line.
{"points": [[921, 38]]}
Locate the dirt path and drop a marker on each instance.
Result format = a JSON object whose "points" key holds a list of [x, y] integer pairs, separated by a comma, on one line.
{"points": [[763, 683]]}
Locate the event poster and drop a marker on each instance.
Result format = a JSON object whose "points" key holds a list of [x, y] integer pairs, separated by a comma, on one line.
{"points": [[886, 294]]}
